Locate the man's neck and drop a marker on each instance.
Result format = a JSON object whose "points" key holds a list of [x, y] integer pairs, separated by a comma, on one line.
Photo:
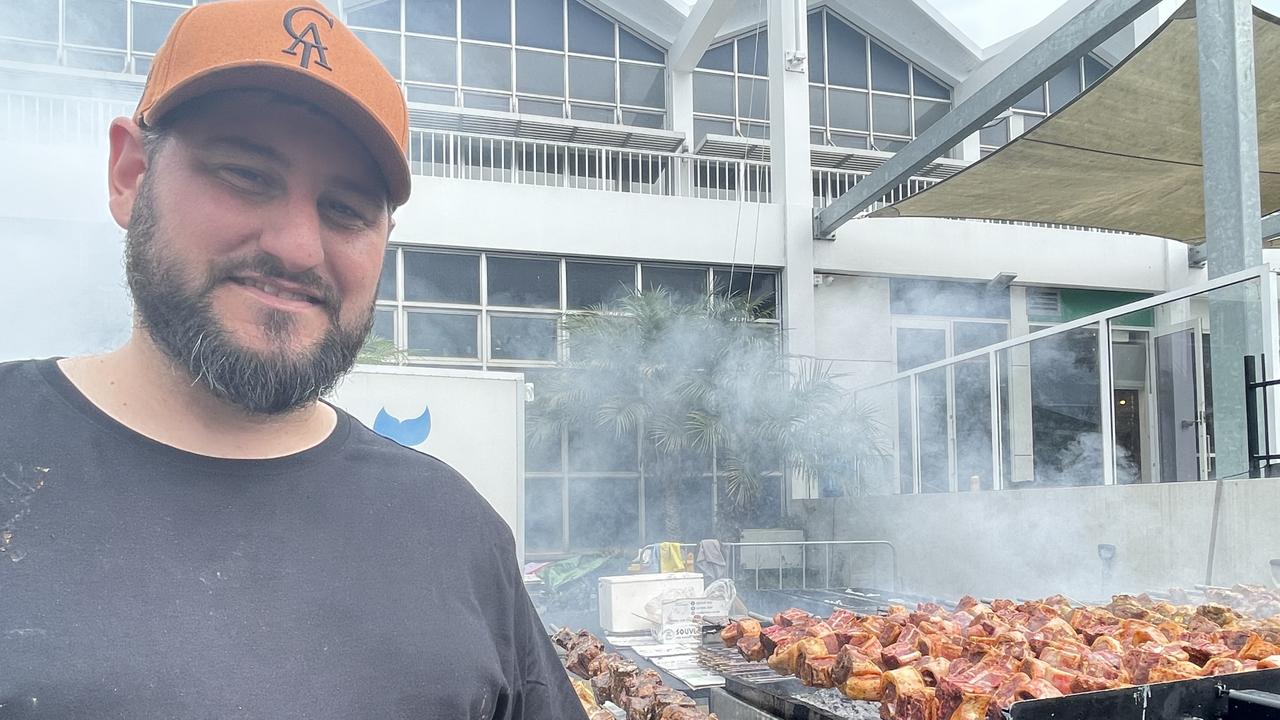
{"points": [[141, 388]]}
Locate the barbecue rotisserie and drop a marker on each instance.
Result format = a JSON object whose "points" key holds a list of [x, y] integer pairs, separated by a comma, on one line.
{"points": [[975, 661], [609, 677]]}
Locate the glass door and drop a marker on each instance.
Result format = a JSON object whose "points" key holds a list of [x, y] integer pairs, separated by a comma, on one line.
{"points": [[923, 457], [1180, 427]]}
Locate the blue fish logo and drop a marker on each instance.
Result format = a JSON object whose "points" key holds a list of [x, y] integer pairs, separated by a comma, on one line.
{"points": [[406, 432]]}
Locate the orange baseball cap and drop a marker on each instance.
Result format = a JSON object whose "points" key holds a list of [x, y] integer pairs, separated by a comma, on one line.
{"points": [[295, 47]]}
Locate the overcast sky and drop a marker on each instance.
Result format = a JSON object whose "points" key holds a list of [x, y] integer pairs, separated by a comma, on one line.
{"points": [[990, 21]]}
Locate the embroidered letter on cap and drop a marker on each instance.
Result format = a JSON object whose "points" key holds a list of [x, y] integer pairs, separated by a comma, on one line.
{"points": [[309, 38]]}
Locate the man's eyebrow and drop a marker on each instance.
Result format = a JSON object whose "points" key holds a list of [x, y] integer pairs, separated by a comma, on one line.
{"points": [[253, 148]]}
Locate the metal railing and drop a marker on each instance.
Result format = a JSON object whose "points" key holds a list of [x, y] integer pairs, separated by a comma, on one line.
{"points": [[435, 153], [52, 119], [752, 556], [831, 184]]}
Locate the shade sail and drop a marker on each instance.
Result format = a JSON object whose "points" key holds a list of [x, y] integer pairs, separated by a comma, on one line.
{"points": [[1124, 155]]}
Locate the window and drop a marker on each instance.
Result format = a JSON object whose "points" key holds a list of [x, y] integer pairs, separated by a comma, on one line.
{"points": [[432, 17], [486, 66], [488, 20], [817, 48], [753, 54], [849, 109], [433, 61], [385, 45], [590, 284], [151, 25], [591, 79], [631, 47], [846, 54], [522, 337], [37, 21], [540, 73], [384, 324], [540, 24], [379, 14], [441, 277], [642, 85], [387, 280], [713, 94], [760, 288], [683, 284], [603, 512], [524, 282], [100, 23], [589, 32], [442, 335], [889, 72], [891, 114]]}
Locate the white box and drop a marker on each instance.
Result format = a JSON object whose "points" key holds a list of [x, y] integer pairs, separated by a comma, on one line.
{"points": [[622, 597]]}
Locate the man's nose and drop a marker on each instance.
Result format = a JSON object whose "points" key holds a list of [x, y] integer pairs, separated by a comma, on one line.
{"points": [[294, 235]]}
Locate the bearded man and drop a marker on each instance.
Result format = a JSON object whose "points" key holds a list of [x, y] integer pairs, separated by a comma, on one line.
{"points": [[189, 531]]}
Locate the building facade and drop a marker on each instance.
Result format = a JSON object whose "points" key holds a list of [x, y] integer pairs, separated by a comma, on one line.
{"points": [[566, 151]]}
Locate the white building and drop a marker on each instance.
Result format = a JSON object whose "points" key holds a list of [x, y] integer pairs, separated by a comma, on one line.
{"points": [[569, 150]]}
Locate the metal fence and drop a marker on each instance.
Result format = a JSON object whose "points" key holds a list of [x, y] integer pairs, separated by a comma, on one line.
{"points": [[550, 164], [53, 119], [831, 184]]}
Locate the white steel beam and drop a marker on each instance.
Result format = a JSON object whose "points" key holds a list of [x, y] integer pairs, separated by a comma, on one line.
{"points": [[700, 28], [1077, 36]]}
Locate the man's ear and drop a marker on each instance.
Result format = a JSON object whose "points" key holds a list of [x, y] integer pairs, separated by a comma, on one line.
{"points": [[126, 167]]}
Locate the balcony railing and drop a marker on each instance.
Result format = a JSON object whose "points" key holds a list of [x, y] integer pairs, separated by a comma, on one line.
{"points": [[443, 154], [55, 119], [831, 184]]}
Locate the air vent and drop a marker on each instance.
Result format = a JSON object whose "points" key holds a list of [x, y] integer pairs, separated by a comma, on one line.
{"points": [[1044, 302]]}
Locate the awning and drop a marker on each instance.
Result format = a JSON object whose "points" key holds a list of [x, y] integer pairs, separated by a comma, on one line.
{"points": [[1124, 155]]}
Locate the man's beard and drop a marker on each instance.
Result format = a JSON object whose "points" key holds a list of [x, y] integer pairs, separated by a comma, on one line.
{"points": [[182, 323]]}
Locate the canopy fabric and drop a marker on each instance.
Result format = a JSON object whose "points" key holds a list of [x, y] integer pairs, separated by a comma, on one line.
{"points": [[1124, 155]]}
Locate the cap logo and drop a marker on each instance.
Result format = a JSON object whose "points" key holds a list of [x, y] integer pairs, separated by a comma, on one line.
{"points": [[308, 38]]}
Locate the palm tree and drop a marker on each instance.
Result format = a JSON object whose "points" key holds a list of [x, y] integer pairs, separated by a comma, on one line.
{"points": [[698, 380]]}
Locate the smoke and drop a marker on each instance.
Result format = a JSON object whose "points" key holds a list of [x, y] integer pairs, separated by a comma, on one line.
{"points": [[62, 252]]}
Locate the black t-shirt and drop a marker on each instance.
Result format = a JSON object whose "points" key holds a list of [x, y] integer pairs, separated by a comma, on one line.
{"points": [[356, 579]]}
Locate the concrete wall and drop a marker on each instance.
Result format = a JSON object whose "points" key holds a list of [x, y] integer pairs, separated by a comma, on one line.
{"points": [[1033, 543]]}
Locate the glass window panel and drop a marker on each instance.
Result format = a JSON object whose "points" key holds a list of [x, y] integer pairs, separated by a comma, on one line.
{"points": [[891, 114], [384, 324], [995, 134], [543, 512], [693, 514], [928, 87], [1033, 101], [433, 17], [543, 455], [380, 14], [632, 47], [387, 280], [846, 54], [589, 31], [848, 109], [849, 140], [817, 137], [759, 288], [95, 22], [522, 338], [485, 66], [1093, 70], [1065, 403], [540, 23], [441, 277], [591, 284], [887, 144], [96, 60], [817, 106], [656, 121], [1030, 121], [928, 113], [546, 108], [541, 73], [524, 282], [384, 45], [151, 25], [604, 513], [599, 449], [683, 284], [713, 93], [486, 101], [430, 60], [592, 113], [703, 127], [435, 96], [947, 299], [591, 79], [754, 130], [753, 98], [888, 71], [642, 85], [817, 48], [486, 20], [447, 335], [753, 54], [1064, 87], [141, 65], [718, 58], [38, 19]]}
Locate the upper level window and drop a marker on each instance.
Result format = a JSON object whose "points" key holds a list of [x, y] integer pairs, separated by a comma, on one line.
{"points": [[1049, 98]]}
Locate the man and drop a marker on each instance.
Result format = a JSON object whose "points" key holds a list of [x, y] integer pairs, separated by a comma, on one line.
{"points": [[186, 530]]}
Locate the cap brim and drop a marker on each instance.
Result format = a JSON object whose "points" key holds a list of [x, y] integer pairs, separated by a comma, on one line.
{"points": [[304, 85]]}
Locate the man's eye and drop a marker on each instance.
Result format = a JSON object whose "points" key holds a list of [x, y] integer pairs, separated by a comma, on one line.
{"points": [[244, 177], [345, 211]]}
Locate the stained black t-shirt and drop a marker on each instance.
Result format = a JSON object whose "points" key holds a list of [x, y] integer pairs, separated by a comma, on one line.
{"points": [[356, 579]]}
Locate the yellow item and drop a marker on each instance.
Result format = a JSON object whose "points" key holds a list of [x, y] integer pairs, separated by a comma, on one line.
{"points": [[670, 557]]}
